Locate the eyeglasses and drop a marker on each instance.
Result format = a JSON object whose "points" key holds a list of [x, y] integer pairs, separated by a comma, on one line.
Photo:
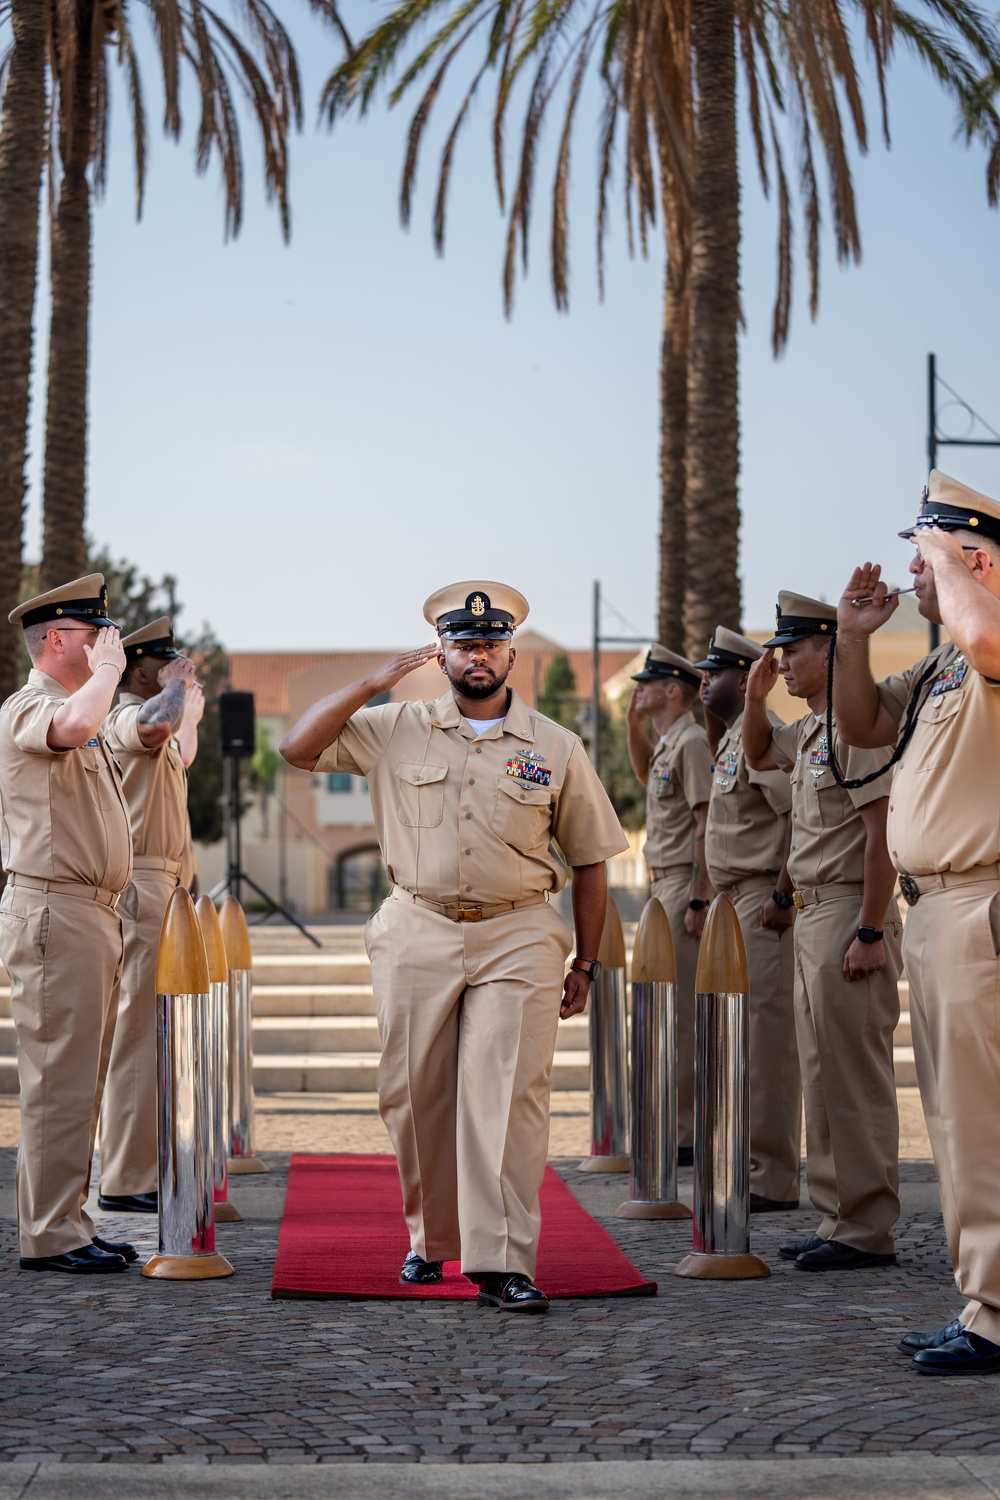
{"points": [[918, 558]]}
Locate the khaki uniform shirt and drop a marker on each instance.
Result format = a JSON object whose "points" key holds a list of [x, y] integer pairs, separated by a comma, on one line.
{"points": [[63, 812], [680, 779], [155, 783], [462, 818], [944, 812], [747, 816], [828, 835]]}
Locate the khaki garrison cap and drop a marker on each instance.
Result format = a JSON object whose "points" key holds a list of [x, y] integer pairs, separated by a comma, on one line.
{"points": [[730, 650], [799, 616], [661, 663], [954, 507], [154, 639], [81, 599], [476, 609]]}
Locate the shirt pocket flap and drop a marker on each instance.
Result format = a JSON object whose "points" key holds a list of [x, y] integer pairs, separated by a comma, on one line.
{"points": [[944, 706], [418, 774], [538, 794]]}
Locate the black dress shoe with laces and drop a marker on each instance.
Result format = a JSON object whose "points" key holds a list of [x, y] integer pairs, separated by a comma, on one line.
{"points": [[968, 1354], [508, 1291], [88, 1261], [834, 1256], [129, 1203], [792, 1249], [912, 1343], [416, 1271], [761, 1205], [127, 1252]]}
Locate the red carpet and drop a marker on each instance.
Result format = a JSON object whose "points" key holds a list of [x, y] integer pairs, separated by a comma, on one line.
{"points": [[342, 1235]]}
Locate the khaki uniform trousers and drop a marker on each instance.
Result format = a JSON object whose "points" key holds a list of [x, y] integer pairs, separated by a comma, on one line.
{"points": [[128, 1114], [950, 946], [468, 1013], [673, 890], [775, 1085], [64, 957], [844, 1033]]}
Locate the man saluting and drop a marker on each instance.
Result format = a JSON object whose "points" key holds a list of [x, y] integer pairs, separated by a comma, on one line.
{"points": [[468, 957]]}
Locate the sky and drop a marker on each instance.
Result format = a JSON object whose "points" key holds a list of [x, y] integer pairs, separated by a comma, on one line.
{"points": [[314, 437]]}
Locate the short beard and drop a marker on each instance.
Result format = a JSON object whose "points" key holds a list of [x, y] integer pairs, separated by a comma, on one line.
{"points": [[475, 690]]}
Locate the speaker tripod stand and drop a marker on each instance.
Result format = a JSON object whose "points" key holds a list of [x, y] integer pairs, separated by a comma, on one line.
{"points": [[235, 876]]}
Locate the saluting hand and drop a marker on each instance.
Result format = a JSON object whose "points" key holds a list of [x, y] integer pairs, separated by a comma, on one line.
{"points": [[763, 676], [194, 704], [107, 649], [400, 666], [865, 619], [182, 668]]}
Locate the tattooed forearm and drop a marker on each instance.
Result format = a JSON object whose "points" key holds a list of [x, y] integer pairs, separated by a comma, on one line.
{"points": [[167, 707]]}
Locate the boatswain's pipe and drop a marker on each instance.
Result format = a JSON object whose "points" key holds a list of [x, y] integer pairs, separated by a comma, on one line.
{"points": [[653, 1158], [722, 1105], [184, 1110], [236, 936], [218, 994], [609, 1054]]}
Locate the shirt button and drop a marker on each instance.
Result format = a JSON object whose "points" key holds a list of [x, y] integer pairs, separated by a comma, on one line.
{"points": [[468, 815], [468, 890], [468, 851], [479, 749], [523, 798], [472, 781]]}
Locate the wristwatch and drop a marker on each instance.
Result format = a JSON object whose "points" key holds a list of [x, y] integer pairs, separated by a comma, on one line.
{"points": [[588, 966], [697, 904], [784, 899], [869, 935]]}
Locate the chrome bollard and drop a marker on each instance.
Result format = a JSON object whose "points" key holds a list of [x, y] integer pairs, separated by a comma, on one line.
{"points": [[609, 1054], [653, 1157], [236, 936], [218, 991], [184, 1119], [722, 1106]]}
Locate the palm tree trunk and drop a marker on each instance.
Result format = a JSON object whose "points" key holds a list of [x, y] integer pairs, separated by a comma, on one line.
{"points": [[22, 153], [712, 594], [673, 441], [64, 551]]}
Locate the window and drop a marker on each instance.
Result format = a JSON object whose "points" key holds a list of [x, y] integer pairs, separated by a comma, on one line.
{"points": [[359, 882], [339, 781]]}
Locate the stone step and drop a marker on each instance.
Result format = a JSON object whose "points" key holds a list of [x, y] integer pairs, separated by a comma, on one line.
{"points": [[313, 1000], [354, 1073], [311, 968], [313, 1035]]}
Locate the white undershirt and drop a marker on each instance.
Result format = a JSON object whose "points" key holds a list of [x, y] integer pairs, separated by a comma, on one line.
{"points": [[480, 726]]}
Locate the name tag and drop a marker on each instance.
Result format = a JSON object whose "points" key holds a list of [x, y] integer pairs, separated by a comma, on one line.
{"points": [[950, 678], [527, 770]]}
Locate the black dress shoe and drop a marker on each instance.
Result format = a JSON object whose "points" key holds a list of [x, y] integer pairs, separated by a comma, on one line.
{"points": [[912, 1343], [685, 1156], [792, 1249], [761, 1205], [117, 1247], [508, 1291], [417, 1271], [968, 1354], [88, 1261], [129, 1203], [834, 1256]]}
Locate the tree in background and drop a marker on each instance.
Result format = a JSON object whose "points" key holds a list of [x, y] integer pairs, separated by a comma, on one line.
{"points": [[265, 763], [558, 699], [627, 796]]}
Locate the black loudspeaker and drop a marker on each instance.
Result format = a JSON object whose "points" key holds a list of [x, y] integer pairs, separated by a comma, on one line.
{"points": [[237, 726]]}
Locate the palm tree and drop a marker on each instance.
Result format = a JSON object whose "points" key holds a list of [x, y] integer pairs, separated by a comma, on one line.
{"points": [[670, 69], [22, 151], [264, 69]]}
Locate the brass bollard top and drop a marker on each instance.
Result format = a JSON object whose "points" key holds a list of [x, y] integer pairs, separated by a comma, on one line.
{"points": [[611, 953], [181, 960], [653, 959], [722, 959], [235, 934], [215, 948]]}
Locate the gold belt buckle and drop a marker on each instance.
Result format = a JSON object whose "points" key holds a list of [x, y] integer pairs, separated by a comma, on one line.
{"points": [[798, 899], [472, 912]]}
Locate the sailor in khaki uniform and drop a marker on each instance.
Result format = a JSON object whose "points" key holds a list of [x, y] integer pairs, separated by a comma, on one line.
{"points": [[68, 853], [677, 775], [144, 731], [847, 937], [470, 793], [746, 844], [944, 835]]}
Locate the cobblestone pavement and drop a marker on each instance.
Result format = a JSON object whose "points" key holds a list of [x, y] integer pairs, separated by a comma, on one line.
{"points": [[128, 1371]]}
